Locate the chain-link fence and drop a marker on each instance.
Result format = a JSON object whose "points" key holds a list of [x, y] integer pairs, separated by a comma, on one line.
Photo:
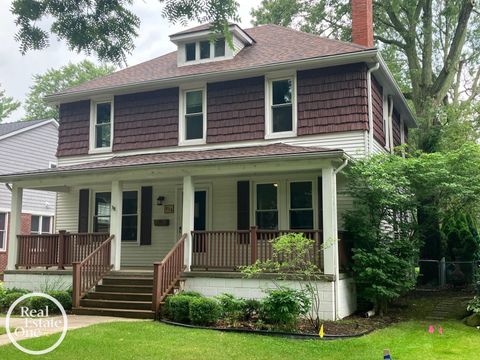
{"points": [[447, 274]]}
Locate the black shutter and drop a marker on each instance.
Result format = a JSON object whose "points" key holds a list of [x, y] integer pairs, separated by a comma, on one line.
{"points": [[83, 207], [320, 204], [146, 216], [243, 205]]}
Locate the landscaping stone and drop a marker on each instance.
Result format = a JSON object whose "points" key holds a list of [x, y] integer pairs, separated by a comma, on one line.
{"points": [[473, 320]]}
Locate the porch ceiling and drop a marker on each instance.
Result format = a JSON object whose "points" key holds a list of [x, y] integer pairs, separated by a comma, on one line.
{"points": [[229, 161]]}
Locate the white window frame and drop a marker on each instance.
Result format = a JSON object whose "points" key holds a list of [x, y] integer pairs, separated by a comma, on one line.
{"points": [[255, 202], [139, 215], [269, 79], [182, 126], [4, 232], [314, 202], [93, 125], [92, 208], [40, 225]]}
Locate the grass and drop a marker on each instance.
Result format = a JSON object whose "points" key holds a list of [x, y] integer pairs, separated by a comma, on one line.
{"points": [[150, 340]]}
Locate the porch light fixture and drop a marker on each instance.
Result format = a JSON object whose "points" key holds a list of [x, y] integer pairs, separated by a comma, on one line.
{"points": [[275, 184], [160, 200]]}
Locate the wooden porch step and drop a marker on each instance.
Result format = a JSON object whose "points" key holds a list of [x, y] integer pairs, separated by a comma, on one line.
{"points": [[124, 288], [116, 304], [131, 273], [129, 313], [120, 296], [131, 280]]}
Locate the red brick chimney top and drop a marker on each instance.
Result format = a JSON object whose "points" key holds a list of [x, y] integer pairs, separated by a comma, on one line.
{"points": [[362, 22]]}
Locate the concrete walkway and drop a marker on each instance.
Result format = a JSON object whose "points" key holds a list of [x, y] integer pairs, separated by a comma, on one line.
{"points": [[74, 322]]}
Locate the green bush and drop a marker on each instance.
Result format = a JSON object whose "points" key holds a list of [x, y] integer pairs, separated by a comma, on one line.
{"points": [[474, 305], [251, 308], [177, 307], [232, 308], [284, 306], [204, 311], [10, 297], [40, 303]]}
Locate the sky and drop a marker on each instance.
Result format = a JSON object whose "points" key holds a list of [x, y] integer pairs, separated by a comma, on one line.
{"points": [[17, 70]]}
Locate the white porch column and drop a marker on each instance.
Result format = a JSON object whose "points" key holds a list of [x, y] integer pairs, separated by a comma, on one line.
{"points": [[188, 217], [330, 229], [15, 225], [116, 223]]}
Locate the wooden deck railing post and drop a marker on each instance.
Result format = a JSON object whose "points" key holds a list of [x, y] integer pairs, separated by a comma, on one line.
{"points": [[253, 244], [61, 249], [157, 291], [76, 293]]}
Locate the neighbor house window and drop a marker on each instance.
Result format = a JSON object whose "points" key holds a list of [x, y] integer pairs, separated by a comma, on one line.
{"points": [[220, 47], [102, 127], [130, 216], [190, 52], [41, 225], [101, 217], [281, 117], [204, 49], [301, 205], [266, 212], [193, 123], [3, 231]]}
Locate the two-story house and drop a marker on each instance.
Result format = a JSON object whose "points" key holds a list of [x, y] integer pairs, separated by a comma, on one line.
{"points": [[26, 146], [185, 166]]}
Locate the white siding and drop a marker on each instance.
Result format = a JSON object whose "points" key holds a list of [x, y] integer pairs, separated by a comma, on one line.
{"points": [[378, 148], [31, 150]]}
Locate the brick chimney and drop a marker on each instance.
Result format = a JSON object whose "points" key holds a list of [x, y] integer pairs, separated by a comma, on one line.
{"points": [[362, 22]]}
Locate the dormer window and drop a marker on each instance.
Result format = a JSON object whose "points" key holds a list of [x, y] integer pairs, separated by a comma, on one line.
{"points": [[190, 52], [204, 49], [220, 47]]}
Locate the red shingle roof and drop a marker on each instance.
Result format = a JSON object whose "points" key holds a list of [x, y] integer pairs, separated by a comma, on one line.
{"points": [[274, 44]]}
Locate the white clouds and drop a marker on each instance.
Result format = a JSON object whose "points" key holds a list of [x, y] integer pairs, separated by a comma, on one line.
{"points": [[16, 71]]}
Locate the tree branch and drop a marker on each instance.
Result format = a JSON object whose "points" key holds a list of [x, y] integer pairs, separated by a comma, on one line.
{"points": [[390, 41]]}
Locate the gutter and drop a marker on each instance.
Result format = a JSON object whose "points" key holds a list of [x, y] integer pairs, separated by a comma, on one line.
{"points": [[370, 106]]}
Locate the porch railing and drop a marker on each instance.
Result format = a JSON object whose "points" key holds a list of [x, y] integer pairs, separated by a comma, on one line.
{"points": [[88, 272], [62, 249], [228, 250], [167, 272]]}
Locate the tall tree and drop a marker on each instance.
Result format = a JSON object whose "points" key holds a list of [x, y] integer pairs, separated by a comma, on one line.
{"points": [[7, 105], [106, 28], [55, 80], [429, 44]]}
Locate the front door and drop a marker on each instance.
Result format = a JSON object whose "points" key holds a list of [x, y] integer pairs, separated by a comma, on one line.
{"points": [[200, 211]]}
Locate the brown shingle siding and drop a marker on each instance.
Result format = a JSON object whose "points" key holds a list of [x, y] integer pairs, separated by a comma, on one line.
{"points": [[73, 132], [332, 99], [377, 108], [236, 110], [146, 120]]}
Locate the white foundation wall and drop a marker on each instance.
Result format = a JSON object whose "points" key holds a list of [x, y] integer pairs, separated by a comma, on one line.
{"points": [[347, 297], [37, 281]]}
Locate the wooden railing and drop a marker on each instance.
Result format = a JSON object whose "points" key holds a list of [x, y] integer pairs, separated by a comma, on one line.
{"points": [[60, 249], [167, 272], [88, 272], [228, 250]]}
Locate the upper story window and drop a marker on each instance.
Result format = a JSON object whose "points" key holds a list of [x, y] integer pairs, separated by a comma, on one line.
{"points": [[193, 117], [190, 52], [281, 117], [101, 128]]}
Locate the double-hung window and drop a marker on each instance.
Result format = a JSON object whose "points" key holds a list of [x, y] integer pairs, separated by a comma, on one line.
{"points": [[101, 217], [130, 216], [301, 205], [266, 212], [193, 123], [3, 231], [281, 107], [41, 225], [102, 126]]}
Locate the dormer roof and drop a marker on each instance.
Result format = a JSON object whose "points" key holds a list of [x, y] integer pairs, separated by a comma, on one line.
{"points": [[205, 30]]}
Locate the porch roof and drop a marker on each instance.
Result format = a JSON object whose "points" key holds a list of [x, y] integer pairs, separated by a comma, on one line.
{"points": [[215, 156]]}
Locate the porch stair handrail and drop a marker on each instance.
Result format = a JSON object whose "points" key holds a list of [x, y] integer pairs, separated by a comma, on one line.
{"points": [[88, 272], [167, 272]]}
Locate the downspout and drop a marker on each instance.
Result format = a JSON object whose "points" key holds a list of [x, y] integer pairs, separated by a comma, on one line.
{"points": [[390, 122], [370, 106], [336, 264]]}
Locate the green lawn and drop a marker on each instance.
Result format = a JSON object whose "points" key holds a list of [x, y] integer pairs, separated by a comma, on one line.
{"points": [[150, 340]]}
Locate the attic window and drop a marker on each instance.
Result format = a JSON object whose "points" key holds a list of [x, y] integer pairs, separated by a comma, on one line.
{"points": [[220, 47], [190, 52], [204, 49]]}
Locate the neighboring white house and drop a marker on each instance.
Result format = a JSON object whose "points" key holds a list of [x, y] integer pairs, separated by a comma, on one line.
{"points": [[24, 146]]}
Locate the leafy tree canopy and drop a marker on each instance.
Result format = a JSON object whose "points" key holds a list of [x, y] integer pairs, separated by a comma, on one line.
{"points": [[55, 80], [7, 105]]}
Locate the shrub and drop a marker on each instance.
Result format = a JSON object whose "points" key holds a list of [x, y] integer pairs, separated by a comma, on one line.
{"points": [[40, 303], [10, 297], [284, 306], [232, 308], [204, 311], [177, 307], [474, 305], [251, 308]]}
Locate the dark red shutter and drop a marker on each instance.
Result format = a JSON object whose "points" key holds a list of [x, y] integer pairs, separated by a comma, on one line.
{"points": [[320, 204], [243, 205], [146, 216], [83, 207]]}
